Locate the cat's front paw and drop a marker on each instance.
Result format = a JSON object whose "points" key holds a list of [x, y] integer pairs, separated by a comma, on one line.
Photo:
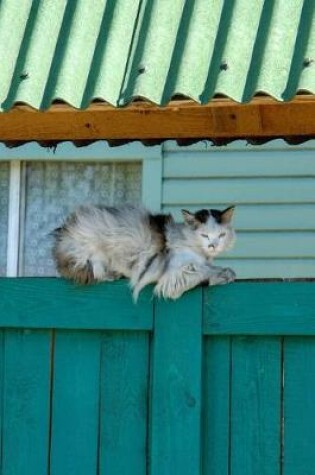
{"points": [[224, 276], [166, 290]]}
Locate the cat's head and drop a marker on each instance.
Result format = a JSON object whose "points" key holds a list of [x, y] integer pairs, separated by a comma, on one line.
{"points": [[213, 228]]}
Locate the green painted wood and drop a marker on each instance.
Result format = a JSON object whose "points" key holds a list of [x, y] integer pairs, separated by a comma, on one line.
{"points": [[259, 163], [256, 406], [216, 406], [152, 183], [273, 188], [56, 303], [243, 190], [270, 217], [176, 386], [273, 268], [299, 406], [260, 308], [123, 405], [99, 151], [75, 404], [275, 245], [26, 402]]}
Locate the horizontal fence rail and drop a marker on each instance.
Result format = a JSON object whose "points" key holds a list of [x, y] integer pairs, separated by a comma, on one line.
{"points": [[218, 382]]}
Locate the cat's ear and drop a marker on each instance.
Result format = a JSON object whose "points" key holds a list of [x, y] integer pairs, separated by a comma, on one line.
{"points": [[190, 218], [227, 215]]}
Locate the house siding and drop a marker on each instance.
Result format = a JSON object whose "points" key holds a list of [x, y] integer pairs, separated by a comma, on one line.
{"points": [[273, 187]]}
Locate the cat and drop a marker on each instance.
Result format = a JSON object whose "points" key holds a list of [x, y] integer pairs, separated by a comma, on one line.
{"points": [[102, 243]]}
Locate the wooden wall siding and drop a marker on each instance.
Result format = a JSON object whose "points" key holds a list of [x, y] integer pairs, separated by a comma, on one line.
{"points": [[274, 189], [211, 384]]}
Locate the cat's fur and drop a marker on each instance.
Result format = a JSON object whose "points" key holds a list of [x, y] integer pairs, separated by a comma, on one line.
{"points": [[98, 243]]}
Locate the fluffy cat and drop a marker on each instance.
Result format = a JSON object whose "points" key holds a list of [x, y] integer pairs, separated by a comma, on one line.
{"points": [[99, 243]]}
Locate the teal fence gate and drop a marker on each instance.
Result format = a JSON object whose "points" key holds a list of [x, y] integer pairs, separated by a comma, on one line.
{"points": [[221, 382]]}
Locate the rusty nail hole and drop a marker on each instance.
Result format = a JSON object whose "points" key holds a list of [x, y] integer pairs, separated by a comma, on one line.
{"points": [[23, 76], [141, 69], [88, 125], [307, 62], [224, 66], [233, 116]]}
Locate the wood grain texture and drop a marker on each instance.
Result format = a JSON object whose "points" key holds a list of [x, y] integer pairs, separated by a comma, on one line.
{"points": [[26, 396], [176, 387], [220, 118], [256, 406], [299, 406], [123, 405], [75, 404], [260, 308], [216, 406], [56, 303]]}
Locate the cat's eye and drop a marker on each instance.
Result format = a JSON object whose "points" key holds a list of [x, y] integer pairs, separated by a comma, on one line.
{"points": [[222, 235], [204, 236]]}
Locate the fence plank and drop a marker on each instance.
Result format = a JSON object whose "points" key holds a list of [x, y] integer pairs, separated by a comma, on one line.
{"points": [[299, 406], [260, 308], [256, 407], [176, 386], [124, 392], [102, 306], [216, 406], [26, 396], [75, 409]]}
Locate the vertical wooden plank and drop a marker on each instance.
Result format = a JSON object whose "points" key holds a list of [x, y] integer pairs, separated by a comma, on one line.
{"points": [[216, 423], [75, 407], [26, 395], [176, 386], [299, 406], [124, 392], [1, 397], [256, 406], [152, 176]]}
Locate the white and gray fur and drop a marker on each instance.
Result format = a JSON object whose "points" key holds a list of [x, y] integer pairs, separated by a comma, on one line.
{"points": [[98, 243]]}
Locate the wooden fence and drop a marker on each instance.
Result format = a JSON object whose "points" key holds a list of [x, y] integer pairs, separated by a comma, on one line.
{"points": [[220, 382]]}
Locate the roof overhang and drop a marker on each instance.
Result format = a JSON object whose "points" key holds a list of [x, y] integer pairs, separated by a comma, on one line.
{"points": [[263, 117]]}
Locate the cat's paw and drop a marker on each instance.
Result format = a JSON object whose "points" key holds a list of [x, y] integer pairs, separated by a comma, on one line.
{"points": [[224, 276], [166, 290]]}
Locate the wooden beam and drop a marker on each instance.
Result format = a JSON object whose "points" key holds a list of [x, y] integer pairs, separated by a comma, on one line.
{"points": [[219, 119]]}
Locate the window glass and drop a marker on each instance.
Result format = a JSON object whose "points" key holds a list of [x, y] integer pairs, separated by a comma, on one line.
{"points": [[52, 190]]}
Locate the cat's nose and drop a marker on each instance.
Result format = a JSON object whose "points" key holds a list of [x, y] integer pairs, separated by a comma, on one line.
{"points": [[211, 246]]}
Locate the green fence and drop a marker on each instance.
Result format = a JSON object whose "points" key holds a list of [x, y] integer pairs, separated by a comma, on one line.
{"points": [[221, 382]]}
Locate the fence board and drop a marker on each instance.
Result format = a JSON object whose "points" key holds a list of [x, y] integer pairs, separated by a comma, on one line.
{"points": [[256, 408], [124, 393], [176, 386], [216, 423], [26, 395], [75, 408], [56, 303], [299, 406], [260, 308]]}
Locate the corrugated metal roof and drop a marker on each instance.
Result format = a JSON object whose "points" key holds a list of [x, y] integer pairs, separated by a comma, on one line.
{"points": [[79, 51]]}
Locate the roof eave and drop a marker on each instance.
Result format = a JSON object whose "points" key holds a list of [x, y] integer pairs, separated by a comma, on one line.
{"points": [[219, 119]]}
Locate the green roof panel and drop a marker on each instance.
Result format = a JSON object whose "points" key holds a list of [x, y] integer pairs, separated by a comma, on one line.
{"points": [[119, 50]]}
